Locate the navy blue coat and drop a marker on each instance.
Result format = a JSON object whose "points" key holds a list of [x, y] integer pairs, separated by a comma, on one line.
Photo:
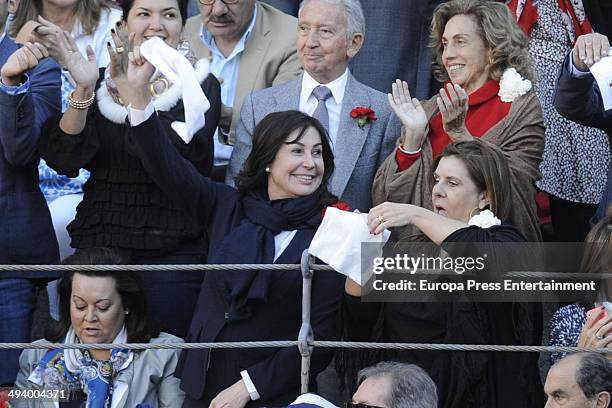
{"points": [[275, 372], [26, 232], [579, 100]]}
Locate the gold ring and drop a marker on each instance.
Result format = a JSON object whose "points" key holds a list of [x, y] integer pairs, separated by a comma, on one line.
{"points": [[380, 219], [119, 50]]}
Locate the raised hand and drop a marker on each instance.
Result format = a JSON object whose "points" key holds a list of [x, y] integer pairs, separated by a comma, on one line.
{"points": [[21, 61], [119, 60], [410, 113], [453, 106], [46, 34], [597, 331], [139, 75], [589, 49]]}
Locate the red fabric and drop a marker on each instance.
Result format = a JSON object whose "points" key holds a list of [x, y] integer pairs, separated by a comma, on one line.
{"points": [[485, 110], [526, 13], [527, 17], [368, 113], [543, 204], [341, 205], [580, 27], [405, 160]]}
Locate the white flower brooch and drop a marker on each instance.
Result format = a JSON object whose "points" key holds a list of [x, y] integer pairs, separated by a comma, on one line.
{"points": [[512, 85], [484, 219]]}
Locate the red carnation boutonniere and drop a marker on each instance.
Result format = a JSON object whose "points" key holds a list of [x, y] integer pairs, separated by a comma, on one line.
{"points": [[4, 399], [363, 115], [341, 205]]}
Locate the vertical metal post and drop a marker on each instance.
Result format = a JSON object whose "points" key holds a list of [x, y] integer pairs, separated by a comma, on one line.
{"points": [[306, 337]]}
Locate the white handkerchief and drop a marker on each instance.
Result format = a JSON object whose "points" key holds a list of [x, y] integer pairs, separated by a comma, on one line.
{"points": [[312, 400], [179, 71], [602, 71], [338, 243]]}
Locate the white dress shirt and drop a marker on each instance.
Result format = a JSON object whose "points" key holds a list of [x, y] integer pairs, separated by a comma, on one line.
{"points": [[308, 102], [226, 69]]}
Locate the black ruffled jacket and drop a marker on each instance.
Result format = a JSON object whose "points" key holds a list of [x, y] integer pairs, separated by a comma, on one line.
{"points": [[122, 206]]}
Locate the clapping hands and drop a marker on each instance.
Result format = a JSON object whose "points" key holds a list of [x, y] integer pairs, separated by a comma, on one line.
{"points": [[410, 113], [21, 61], [453, 106], [130, 71], [118, 54], [62, 47]]}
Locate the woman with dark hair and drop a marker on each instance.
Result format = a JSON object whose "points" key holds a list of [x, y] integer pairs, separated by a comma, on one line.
{"points": [[123, 208], [471, 198], [103, 307], [588, 323], [481, 55], [271, 217]]}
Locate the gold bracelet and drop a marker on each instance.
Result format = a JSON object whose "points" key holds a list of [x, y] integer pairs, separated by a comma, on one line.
{"points": [[81, 105]]}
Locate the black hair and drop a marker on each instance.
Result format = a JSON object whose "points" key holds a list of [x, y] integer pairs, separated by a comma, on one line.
{"points": [[268, 137], [138, 324], [127, 5], [594, 374]]}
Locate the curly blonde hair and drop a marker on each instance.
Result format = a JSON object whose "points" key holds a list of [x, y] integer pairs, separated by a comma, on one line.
{"points": [[506, 42], [87, 12]]}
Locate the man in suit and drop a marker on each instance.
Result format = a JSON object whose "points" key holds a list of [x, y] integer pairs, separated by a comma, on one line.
{"points": [[330, 33], [27, 99], [410, 58], [578, 97], [290, 7], [251, 47]]}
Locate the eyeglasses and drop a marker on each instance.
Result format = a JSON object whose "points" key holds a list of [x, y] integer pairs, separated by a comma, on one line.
{"points": [[353, 405], [211, 2]]}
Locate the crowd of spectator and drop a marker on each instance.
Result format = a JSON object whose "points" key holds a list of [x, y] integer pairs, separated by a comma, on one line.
{"points": [[165, 132]]}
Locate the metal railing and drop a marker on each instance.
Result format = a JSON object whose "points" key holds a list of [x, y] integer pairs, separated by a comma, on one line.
{"points": [[305, 341]]}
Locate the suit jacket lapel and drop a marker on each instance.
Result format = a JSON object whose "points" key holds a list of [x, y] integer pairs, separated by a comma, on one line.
{"points": [[192, 35], [350, 138], [288, 95]]}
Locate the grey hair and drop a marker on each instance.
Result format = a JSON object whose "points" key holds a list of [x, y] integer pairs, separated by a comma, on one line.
{"points": [[411, 387], [355, 19], [594, 374]]}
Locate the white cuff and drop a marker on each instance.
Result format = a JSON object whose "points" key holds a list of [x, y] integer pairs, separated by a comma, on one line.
{"points": [[249, 385], [407, 152], [137, 116], [575, 72]]}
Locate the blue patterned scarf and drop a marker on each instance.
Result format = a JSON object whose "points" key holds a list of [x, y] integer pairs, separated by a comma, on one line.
{"points": [[73, 370]]}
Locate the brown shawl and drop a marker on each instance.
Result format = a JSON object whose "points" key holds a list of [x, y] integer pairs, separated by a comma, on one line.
{"points": [[520, 136]]}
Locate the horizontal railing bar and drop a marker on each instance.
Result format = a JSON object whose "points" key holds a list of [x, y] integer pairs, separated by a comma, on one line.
{"points": [[316, 343]]}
